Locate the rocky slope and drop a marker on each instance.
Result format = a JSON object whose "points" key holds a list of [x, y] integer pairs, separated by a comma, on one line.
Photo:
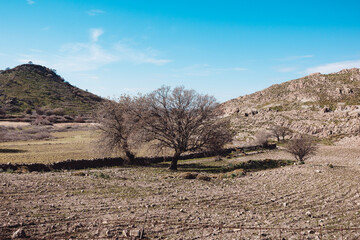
{"points": [[323, 105], [27, 87]]}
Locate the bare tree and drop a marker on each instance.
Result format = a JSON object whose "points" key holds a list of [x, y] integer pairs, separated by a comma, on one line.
{"points": [[280, 132], [118, 126], [182, 120], [302, 148]]}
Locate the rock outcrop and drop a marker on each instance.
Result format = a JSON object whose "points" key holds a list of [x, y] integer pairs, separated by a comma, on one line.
{"points": [[323, 105]]}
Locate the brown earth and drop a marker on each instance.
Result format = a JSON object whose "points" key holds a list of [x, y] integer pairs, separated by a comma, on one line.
{"points": [[101, 204]]}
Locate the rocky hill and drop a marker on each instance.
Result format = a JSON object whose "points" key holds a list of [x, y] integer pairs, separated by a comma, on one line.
{"points": [[28, 87], [324, 105]]}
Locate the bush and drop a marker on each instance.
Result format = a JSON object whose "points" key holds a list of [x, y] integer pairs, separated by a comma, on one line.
{"points": [[39, 111], [302, 148], [59, 111], [261, 138], [79, 119], [41, 120]]}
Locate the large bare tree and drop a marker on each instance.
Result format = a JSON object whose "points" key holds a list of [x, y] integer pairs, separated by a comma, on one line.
{"points": [[182, 120], [118, 126]]}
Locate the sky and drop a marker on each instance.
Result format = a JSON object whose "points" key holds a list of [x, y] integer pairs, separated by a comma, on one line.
{"points": [[222, 48]]}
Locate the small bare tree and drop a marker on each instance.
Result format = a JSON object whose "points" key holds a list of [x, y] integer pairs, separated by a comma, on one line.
{"points": [[118, 126], [302, 148], [182, 120], [280, 132]]}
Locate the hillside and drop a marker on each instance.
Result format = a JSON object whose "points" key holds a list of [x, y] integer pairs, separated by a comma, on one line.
{"points": [[28, 87], [323, 105]]}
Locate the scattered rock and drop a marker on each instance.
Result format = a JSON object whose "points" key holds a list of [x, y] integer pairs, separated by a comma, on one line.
{"points": [[308, 213], [135, 233], [203, 177], [188, 175], [20, 233]]}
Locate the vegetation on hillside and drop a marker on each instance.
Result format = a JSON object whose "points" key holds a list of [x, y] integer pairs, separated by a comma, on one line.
{"points": [[29, 87]]}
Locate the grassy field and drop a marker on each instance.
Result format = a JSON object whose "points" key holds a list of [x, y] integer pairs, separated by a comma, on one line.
{"points": [[62, 146]]}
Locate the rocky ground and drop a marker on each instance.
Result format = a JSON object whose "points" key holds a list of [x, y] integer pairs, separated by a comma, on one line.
{"points": [[117, 203], [321, 105]]}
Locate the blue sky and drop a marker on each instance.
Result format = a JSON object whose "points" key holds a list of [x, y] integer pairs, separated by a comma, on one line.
{"points": [[222, 48]]}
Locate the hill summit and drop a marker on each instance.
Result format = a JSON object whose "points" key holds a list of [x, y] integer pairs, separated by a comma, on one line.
{"points": [[324, 105], [28, 87]]}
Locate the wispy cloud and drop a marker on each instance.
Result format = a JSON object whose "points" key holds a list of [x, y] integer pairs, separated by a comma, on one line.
{"points": [[94, 12], [91, 55], [293, 58], [127, 53], [239, 69], [334, 67], [95, 33], [30, 2], [35, 50], [75, 57]]}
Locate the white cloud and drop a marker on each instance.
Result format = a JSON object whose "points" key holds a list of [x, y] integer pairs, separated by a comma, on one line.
{"points": [[239, 69], [35, 50], [87, 56], [127, 53], [95, 33], [334, 67], [292, 58], [30, 2], [94, 12], [83, 57]]}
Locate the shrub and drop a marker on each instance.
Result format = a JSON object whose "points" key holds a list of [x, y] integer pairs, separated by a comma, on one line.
{"points": [[79, 119], [302, 148], [41, 120], [59, 111], [261, 138], [39, 111]]}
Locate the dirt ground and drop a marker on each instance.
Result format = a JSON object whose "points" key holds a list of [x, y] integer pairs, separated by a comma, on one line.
{"points": [[311, 201]]}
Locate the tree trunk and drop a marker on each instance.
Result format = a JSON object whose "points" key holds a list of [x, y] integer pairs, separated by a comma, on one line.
{"points": [[129, 155], [174, 161]]}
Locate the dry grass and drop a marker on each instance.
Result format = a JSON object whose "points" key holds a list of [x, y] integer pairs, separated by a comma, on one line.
{"points": [[63, 146]]}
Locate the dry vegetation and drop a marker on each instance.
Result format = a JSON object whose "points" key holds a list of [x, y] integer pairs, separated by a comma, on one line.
{"points": [[47, 144], [102, 203]]}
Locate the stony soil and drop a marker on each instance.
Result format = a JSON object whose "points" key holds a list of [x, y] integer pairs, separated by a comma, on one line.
{"points": [[105, 203]]}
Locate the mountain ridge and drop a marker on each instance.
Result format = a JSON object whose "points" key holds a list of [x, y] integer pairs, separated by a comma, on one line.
{"points": [[28, 87], [324, 105]]}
